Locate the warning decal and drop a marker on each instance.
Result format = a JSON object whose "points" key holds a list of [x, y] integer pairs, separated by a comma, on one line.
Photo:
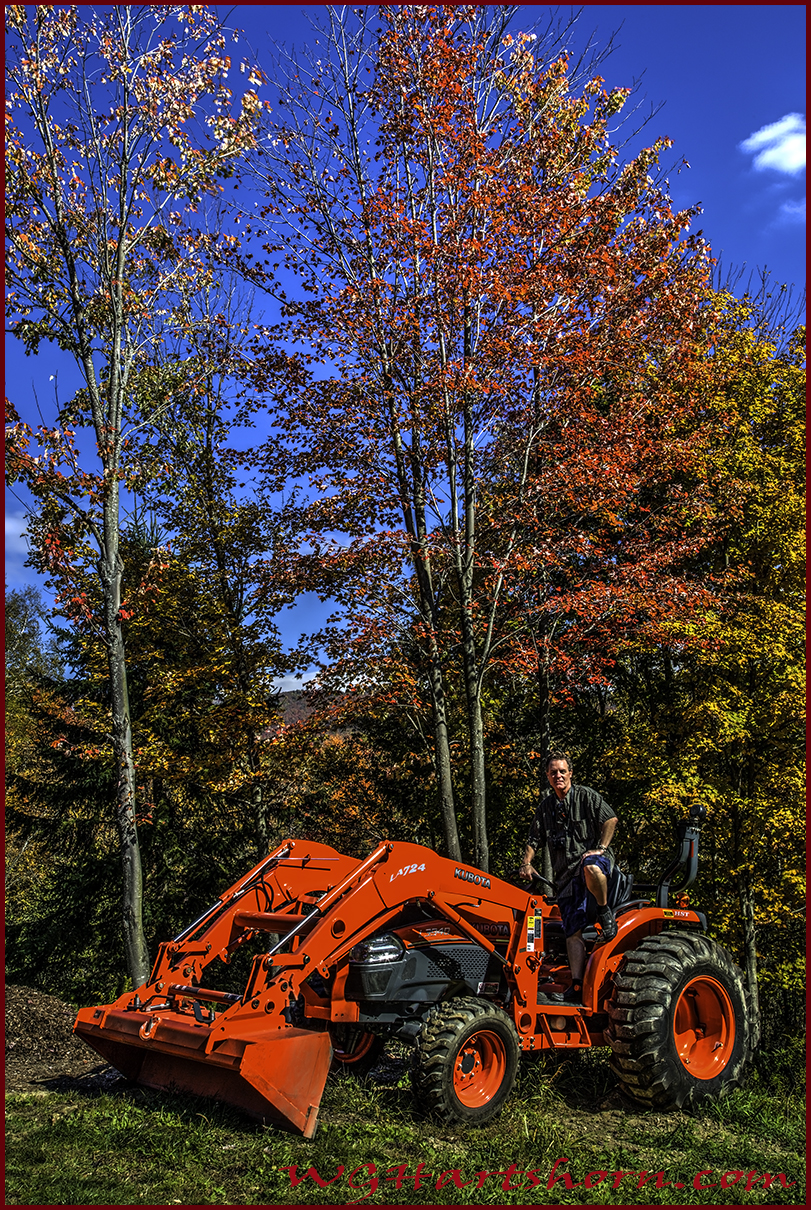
{"points": [[534, 932]]}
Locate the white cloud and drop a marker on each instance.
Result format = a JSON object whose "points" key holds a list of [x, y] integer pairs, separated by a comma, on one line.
{"points": [[16, 541], [289, 683], [780, 146], [793, 212]]}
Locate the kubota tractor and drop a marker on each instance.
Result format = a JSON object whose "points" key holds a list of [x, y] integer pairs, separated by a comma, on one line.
{"points": [[458, 963]]}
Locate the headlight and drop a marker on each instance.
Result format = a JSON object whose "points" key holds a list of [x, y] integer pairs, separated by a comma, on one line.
{"points": [[385, 947]]}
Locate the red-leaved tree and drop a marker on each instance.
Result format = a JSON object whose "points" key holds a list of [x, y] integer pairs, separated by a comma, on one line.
{"points": [[509, 321]]}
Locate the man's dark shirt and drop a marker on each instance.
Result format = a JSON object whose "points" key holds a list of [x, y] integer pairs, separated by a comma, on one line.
{"points": [[571, 826]]}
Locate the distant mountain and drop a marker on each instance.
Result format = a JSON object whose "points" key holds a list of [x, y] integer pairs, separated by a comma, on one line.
{"points": [[294, 706]]}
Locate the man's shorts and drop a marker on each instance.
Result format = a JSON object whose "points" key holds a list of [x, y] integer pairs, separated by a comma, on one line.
{"points": [[578, 907]]}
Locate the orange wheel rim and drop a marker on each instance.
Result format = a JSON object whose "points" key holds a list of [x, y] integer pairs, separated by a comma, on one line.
{"points": [[704, 1028], [479, 1069], [365, 1044]]}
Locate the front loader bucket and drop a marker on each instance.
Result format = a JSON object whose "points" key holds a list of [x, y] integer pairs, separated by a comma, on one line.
{"points": [[276, 1075]]}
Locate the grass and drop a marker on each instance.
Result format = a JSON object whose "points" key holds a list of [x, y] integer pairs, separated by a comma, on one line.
{"points": [[130, 1146]]}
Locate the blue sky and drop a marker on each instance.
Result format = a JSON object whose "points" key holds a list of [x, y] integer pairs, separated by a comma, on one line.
{"points": [[731, 83], [722, 73]]}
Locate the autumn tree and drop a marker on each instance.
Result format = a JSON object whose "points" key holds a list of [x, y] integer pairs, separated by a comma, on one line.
{"points": [[745, 725], [506, 315], [119, 125], [720, 718]]}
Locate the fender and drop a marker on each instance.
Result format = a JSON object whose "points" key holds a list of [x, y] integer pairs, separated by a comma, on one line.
{"points": [[632, 928]]}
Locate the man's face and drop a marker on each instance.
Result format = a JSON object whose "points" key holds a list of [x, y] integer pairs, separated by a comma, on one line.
{"points": [[559, 776]]}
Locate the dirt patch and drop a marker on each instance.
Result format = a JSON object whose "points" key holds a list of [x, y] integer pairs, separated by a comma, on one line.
{"points": [[43, 1053]]}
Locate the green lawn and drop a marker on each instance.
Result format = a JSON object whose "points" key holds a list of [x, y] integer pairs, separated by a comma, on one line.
{"points": [[134, 1147]]}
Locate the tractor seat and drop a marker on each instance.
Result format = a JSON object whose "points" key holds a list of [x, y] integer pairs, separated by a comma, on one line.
{"points": [[620, 886]]}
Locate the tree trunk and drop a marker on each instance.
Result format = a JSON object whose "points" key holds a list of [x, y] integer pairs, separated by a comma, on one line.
{"points": [[443, 764], [271, 824], [481, 844], [544, 866], [260, 816], [750, 957], [135, 947], [542, 713], [478, 786]]}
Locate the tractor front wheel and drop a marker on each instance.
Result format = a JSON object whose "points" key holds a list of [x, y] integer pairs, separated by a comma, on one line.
{"points": [[465, 1061], [679, 1021]]}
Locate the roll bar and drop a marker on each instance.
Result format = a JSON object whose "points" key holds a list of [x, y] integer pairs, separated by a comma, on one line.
{"points": [[687, 832]]}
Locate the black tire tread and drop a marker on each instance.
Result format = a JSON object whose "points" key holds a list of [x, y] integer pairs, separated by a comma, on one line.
{"points": [[641, 1010], [435, 1052]]}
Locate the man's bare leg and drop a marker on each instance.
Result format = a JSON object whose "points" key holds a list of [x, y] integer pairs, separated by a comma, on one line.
{"points": [[597, 883], [576, 952]]}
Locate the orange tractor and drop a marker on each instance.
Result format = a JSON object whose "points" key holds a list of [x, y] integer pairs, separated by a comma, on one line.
{"points": [[460, 964]]}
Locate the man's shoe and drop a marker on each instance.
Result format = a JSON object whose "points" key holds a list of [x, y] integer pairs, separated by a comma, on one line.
{"points": [[573, 995], [608, 923]]}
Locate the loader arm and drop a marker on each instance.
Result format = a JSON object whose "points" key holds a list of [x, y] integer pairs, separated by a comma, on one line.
{"points": [[369, 897]]}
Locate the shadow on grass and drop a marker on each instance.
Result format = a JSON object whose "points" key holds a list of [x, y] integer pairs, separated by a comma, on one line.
{"points": [[581, 1081], [96, 1082], [188, 1108]]}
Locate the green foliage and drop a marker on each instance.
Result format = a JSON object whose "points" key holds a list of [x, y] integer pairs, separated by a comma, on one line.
{"points": [[61, 855], [64, 914], [28, 655]]}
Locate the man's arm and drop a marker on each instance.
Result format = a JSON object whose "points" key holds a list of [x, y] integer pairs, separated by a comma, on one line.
{"points": [[527, 870], [606, 835]]}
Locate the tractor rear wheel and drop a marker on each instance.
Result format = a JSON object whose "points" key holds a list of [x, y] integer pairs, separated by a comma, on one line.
{"points": [[679, 1022], [354, 1049], [465, 1061]]}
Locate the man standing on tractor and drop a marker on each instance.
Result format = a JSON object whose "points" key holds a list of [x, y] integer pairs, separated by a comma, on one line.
{"points": [[578, 825]]}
